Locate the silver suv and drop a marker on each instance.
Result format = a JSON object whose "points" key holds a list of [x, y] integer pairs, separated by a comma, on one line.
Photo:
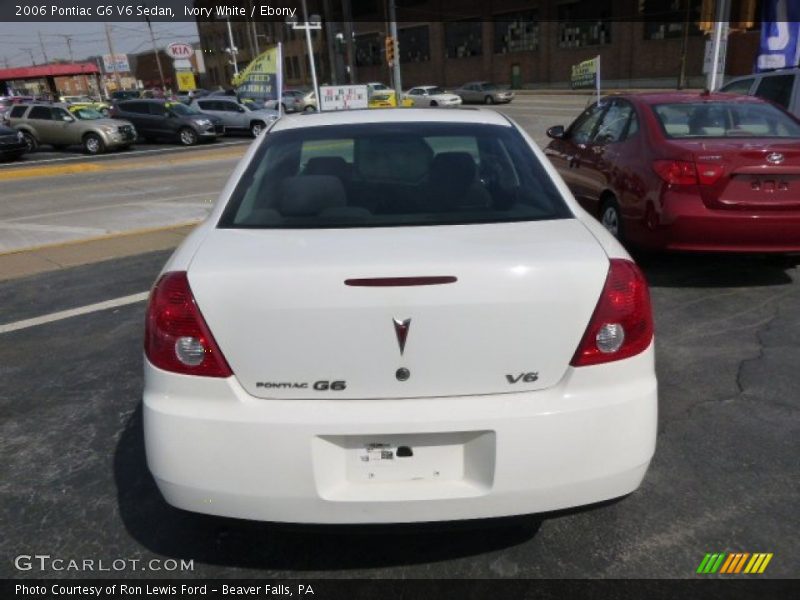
{"points": [[781, 86], [60, 126], [236, 116]]}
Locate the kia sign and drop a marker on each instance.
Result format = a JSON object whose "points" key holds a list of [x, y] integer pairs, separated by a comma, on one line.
{"points": [[178, 50]]}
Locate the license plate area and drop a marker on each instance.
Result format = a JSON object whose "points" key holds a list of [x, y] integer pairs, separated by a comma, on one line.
{"points": [[393, 467]]}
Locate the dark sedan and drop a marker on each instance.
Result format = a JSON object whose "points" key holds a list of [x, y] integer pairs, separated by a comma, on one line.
{"points": [[12, 144], [686, 171]]}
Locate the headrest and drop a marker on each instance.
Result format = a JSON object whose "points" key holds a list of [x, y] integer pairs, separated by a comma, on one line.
{"points": [[327, 165], [308, 195], [453, 167]]}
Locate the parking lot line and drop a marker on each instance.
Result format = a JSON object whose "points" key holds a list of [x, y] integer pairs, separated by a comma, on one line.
{"points": [[74, 312]]}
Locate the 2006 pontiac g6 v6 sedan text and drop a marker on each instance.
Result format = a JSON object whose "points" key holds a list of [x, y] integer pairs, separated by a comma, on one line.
{"points": [[396, 316]]}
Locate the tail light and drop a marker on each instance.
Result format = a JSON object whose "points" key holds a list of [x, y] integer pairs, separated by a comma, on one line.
{"points": [[622, 323], [676, 172], [177, 338], [684, 172]]}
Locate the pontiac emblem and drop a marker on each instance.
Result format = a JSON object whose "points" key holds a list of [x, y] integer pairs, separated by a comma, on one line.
{"points": [[401, 331], [774, 158]]}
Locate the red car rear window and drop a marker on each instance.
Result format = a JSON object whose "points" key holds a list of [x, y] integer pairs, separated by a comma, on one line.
{"points": [[724, 119]]}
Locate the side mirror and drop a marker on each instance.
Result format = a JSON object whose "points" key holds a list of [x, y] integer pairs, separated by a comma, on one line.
{"points": [[556, 132], [240, 109], [67, 118]]}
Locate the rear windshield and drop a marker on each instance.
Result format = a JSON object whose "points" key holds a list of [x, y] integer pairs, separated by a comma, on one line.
{"points": [[724, 119], [393, 174]]}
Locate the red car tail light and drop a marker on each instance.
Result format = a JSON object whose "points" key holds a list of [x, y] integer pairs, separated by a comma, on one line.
{"points": [[176, 337], [709, 173], [676, 172], [622, 323]]}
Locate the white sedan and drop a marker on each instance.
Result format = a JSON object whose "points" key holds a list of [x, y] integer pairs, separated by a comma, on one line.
{"points": [[397, 316], [431, 95]]}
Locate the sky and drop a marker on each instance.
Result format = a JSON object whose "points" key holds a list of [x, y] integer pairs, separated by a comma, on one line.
{"points": [[88, 39]]}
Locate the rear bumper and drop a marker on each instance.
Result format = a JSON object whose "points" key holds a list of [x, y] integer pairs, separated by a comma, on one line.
{"points": [[687, 224], [214, 449]]}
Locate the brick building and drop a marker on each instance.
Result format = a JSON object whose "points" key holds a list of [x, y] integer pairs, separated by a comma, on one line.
{"points": [[522, 43]]}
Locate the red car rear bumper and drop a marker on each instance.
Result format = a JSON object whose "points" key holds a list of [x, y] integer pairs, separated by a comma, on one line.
{"points": [[685, 223]]}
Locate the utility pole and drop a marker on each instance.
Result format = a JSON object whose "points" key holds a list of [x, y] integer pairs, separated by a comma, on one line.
{"points": [[398, 84], [347, 10], [30, 53], [720, 41], [113, 56], [308, 26], [233, 49], [44, 52], [684, 46], [68, 40], [155, 53]]}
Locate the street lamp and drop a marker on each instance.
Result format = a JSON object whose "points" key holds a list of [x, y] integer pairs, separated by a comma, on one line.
{"points": [[314, 23]]}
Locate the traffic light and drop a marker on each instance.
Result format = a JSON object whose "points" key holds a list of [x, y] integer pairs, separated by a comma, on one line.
{"points": [[389, 43], [746, 19], [707, 16]]}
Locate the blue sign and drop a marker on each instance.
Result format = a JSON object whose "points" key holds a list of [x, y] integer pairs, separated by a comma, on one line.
{"points": [[780, 35]]}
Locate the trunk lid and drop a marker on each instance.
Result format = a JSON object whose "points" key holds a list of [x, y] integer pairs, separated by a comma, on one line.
{"points": [[759, 174], [278, 306]]}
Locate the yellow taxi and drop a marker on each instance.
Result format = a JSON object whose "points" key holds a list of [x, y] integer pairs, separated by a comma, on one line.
{"points": [[387, 99]]}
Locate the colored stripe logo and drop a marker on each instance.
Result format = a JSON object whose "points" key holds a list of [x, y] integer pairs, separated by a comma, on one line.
{"points": [[732, 563]]}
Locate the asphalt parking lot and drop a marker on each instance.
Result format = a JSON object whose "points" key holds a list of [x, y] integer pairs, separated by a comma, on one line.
{"points": [[74, 482]]}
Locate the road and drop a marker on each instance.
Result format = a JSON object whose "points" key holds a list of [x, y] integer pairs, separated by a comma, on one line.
{"points": [[74, 482]]}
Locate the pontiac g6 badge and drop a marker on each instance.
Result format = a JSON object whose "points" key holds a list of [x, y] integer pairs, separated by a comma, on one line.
{"points": [[401, 331], [774, 158]]}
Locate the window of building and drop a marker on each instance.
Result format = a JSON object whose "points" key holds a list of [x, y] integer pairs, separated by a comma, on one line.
{"points": [[414, 44], [287, 67], [296, 67], [463, 38], [516, 32], [584, 23], [666, 19], [369, 50]]}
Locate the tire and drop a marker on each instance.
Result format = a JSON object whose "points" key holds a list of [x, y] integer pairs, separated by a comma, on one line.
{"points": [[187, 136], [93, 144], [488, 100], [611, 218], [256, 128], [30, 141], [434, 103], [309, 108]]}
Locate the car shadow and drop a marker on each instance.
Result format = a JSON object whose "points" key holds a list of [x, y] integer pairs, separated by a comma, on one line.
{"points": [[179, 534], [706, 270]]}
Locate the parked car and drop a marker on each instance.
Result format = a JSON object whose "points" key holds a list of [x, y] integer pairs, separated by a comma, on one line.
{"points": [[484, 92], [376, 86], [305, 100], [156, 119], [57, 126], [12, 144], [293, 100], [125, 95], [86, 102], [393, 316], [686, 171], [432, 95], [388, 99], [781, 87], [236, 116]]}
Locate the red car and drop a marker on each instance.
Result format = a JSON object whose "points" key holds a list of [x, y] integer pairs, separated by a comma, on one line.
{"points": [[686, 171]]}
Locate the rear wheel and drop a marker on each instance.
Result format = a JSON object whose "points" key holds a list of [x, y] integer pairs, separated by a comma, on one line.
{"points": [[256, 127], [611, 217], [188, 136], [30, 141], [488, 100], [93, 144], [309, 108]]}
